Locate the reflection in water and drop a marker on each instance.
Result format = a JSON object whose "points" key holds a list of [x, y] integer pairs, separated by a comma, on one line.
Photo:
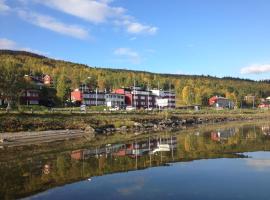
{"points": [[259, 164], [222, 134], [131, 149], [35, 172]]}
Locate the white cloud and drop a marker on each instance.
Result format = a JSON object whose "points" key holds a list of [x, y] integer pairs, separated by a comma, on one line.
{"points": [[7, 44], [128, 54], [137, 28], [100, 11], [3, 6], [256, 69], [90, 10], [52, 24], [12, 45]]}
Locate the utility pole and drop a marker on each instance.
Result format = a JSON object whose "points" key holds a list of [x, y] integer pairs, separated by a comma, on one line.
{"points": [[148, 95], [134, 93], [96, 96], [253, 101], [169, 96]]}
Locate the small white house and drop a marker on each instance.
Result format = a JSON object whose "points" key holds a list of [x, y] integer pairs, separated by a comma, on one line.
{"points": [[164, 99]]}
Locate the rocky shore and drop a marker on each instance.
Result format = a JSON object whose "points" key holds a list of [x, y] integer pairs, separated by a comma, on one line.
{"points": [[170, 124], [86, 127]]}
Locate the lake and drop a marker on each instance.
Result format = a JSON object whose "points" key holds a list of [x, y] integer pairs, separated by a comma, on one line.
{"points": [[229, 161]]}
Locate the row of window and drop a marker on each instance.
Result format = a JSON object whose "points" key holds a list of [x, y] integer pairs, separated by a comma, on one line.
{"points": [[32, 94], [89, 96], [143, 97], [94, 102], [144, 103], [114, 96]]}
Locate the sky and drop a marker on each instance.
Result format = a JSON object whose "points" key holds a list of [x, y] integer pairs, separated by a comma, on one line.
{"points": [[203, 37]]}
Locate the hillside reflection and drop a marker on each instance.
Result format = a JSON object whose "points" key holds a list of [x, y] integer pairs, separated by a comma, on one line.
{"points": [[32, 173]]}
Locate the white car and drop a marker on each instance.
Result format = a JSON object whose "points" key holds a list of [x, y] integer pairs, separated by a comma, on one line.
{"points": [[130, 108], [114, 109]]}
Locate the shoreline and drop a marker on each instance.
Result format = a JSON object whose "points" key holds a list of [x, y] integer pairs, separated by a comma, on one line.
{"points": [[132, 125]]}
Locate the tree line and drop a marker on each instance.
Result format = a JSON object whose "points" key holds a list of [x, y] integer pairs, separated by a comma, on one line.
{"points": [[67, 76]]}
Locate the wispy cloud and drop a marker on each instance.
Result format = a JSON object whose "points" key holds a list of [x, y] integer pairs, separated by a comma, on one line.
{"points": [[128, 54], [12, 45], [52, 24], [91, 10], [133, 38], [3, 6], [138, 28], [100, 11], [256, 69], [7, 44]]}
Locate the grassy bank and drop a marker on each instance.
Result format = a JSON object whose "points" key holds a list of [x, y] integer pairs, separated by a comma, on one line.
{"points": [[13, 122]]}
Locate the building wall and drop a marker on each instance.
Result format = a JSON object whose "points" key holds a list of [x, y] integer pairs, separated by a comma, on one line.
{"points": [[166, 95], [76, 96], [113, 100], [93, 99], [221, 102], [30, 97]]}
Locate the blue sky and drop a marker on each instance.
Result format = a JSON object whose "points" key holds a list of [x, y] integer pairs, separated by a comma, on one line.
{"points": [[210, 37]]}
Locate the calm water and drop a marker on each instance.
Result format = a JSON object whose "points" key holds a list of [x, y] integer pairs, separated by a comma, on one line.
{"points": [[224, 162]]}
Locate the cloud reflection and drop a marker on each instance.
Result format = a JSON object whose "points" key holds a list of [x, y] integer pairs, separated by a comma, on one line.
{"points": [[259, 164]]}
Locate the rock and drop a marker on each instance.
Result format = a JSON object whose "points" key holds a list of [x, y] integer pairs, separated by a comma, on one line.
{"points": [[137, 133], [137, 124], [149, 125], [90, 132], [108, 129], [199, 121], [190, 121]]}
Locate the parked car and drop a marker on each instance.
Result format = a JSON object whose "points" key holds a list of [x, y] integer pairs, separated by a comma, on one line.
{"points": [[114, 108], [130, 108]]}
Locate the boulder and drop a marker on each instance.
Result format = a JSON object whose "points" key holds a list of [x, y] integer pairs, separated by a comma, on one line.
{"points": [[89, 132]]}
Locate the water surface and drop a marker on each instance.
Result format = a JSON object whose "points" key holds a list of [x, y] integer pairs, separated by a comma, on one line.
{"points": [[219, 162]]}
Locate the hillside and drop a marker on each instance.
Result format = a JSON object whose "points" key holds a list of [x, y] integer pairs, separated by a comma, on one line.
{"points": [[189, 89]]}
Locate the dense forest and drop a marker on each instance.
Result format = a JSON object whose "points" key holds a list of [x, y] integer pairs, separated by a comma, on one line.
{"points": [[189, 89]]}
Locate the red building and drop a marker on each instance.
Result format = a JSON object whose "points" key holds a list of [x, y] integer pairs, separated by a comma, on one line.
{"points": [[77, 96], [137, 97], [89, 98], [31, 96]]}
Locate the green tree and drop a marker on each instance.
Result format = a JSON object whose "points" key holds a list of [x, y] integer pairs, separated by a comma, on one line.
{"points": [[63, 88], [188, 95], [12, 82]]}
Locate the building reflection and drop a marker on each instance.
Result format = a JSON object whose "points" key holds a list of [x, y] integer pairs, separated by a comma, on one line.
{"points": [[37, 171], [222, 134], [131, 149], [266, 130]]}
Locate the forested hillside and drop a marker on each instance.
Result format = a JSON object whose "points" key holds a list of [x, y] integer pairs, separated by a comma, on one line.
{"points": [[189, 89]]}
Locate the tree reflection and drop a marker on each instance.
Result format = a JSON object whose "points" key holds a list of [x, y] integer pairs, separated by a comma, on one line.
{"points": [[28, 175]]}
